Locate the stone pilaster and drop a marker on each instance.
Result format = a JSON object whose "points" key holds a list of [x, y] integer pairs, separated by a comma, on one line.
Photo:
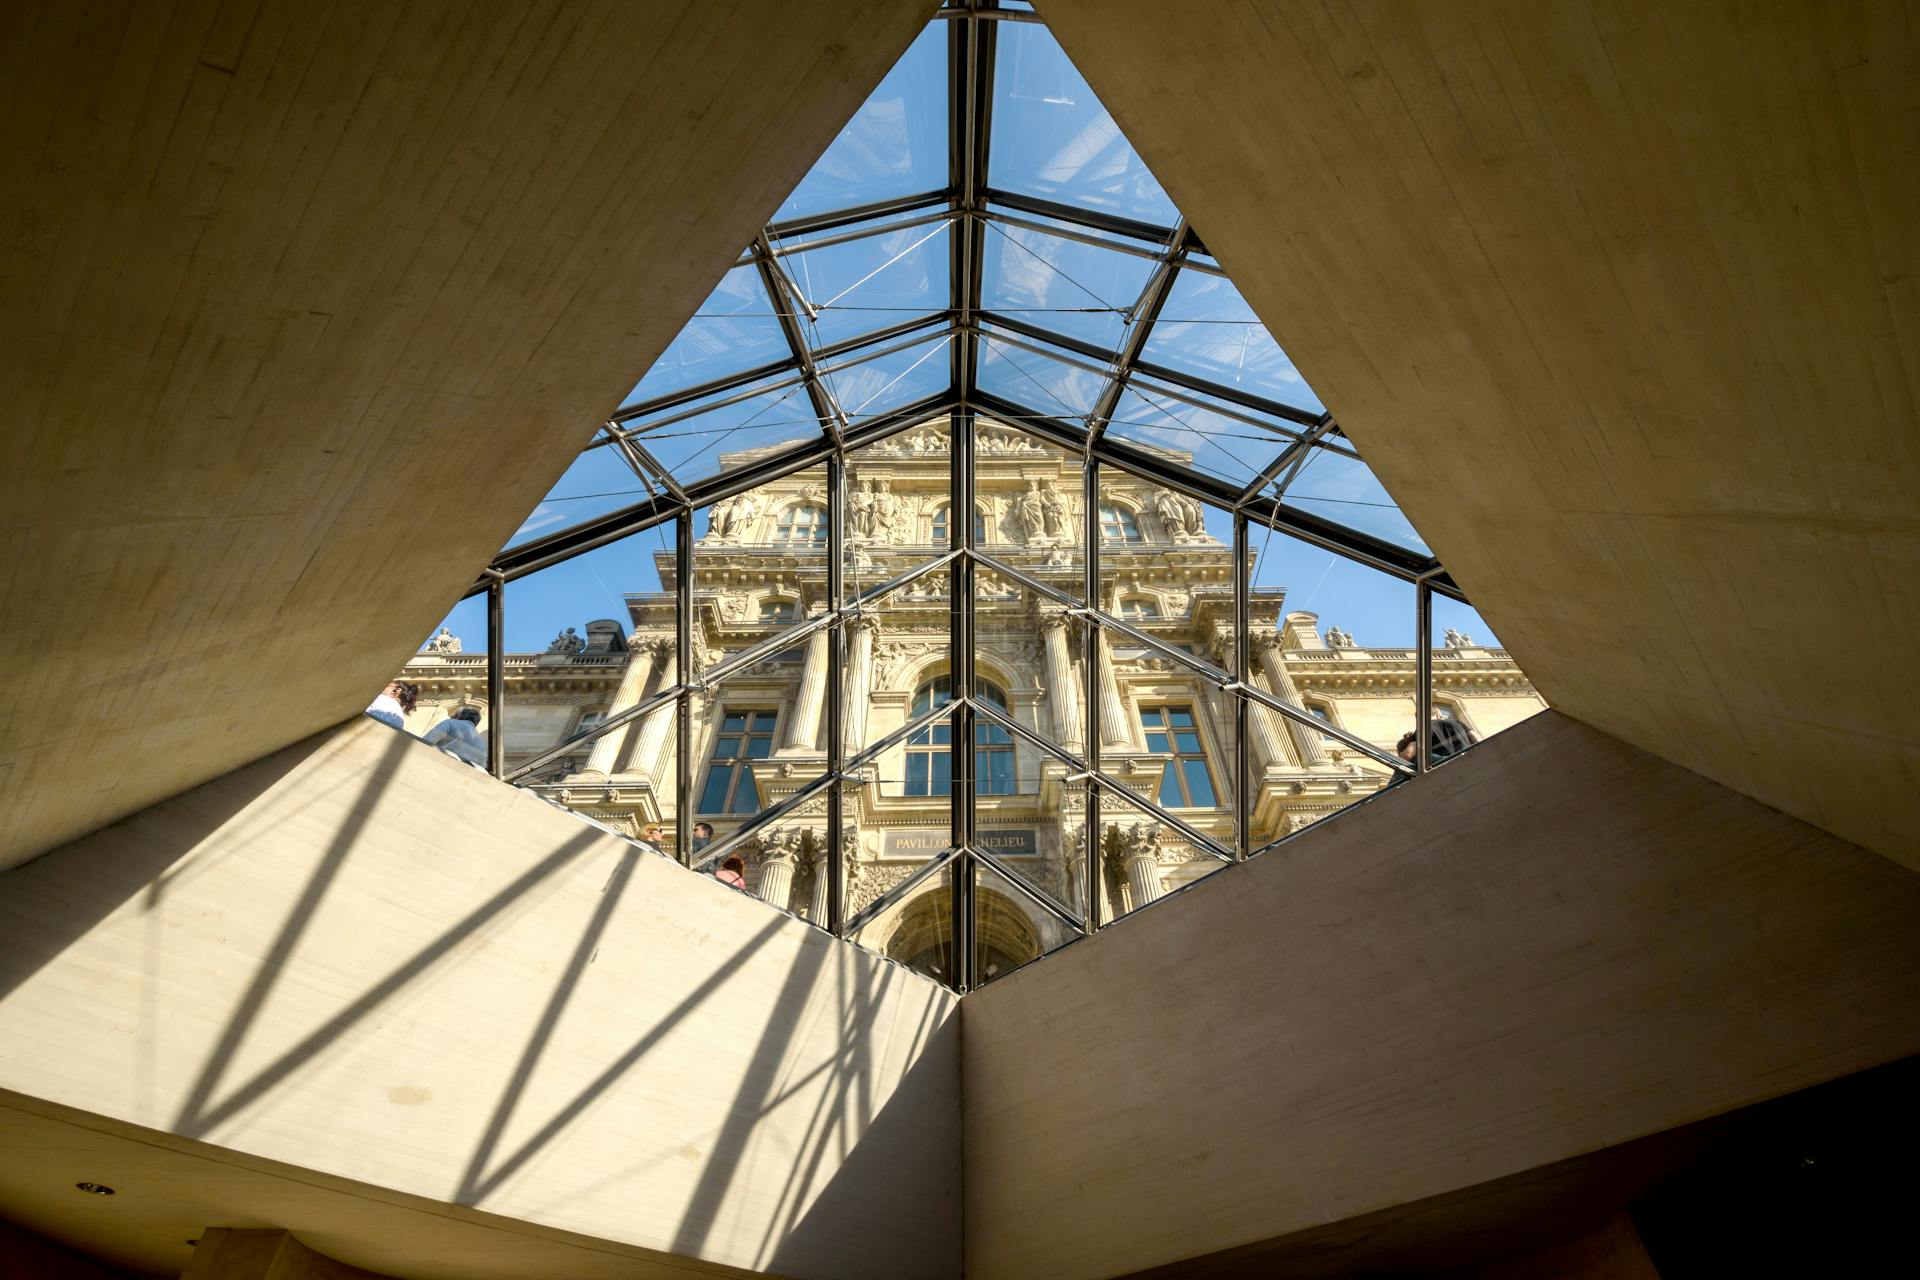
{"points": [[633, 686], [1063, 688], [803, 730], [1306, 741], [655, 729], [860, 636]]}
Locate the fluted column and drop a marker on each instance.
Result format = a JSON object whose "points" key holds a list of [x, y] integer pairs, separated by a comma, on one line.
{"points": [[817, 908], [1143, 876], [1269, 746], [804, 729], [633, 684], [1113, 712], [1062, 687], [776, 876], [860, 632], [655, 728], [1305, 740]]}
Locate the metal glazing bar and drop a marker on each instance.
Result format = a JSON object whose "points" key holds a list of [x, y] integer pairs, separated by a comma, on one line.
{"points": [[1239, 411], [879, 747], [961, 678], [496, 675], [1033, 584], [835, 862], [858, 233], [1089, 682], [1188, 832], [900, 892], [1192, 662], [991, 15], [651, 466], [779, 642], [1087, 364], [643, 429], [874, 593], [627, 717], [1221, 391], [1423, 677], [1029, 737], [773, 278], [1153, 296], [1301, 716], [1290, 460], [1163, 236], [1065, 233], [854, 213], [1242, 631], [1019, 884], [683, 663]]}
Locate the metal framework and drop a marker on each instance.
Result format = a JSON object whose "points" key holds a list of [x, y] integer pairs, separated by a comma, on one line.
{"points": [[968, 208]]}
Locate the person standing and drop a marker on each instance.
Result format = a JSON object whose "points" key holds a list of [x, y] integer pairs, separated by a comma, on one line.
{"points": [[733, 872], [459, 735]]}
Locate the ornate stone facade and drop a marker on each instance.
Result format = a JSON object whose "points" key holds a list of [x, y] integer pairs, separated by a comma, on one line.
{"points": [[758, 738]]}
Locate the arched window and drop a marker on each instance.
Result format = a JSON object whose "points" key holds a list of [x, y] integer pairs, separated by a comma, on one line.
{"points": [[1139, 609], [804, 523], [775, 610], [929, 752], [1117, 524], [942, 526]]}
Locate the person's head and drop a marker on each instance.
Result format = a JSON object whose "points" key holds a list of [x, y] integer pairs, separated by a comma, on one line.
{"points": [[470, 714], [1406, 750], [703, 830], [653, 833], [403, 693], [734, 864]]}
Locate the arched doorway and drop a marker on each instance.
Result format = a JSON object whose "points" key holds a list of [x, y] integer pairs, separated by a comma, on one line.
{"points": [[1004, 937]]}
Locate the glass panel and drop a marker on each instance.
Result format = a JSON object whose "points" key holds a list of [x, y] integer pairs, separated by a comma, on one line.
{"points": [[1030, 496], [1143, 859], [862, 285], [1050, 387], [1053, 139], [744, 762], [895, 145], [1073, 288], [1167, 733], [879, 386], [596, 482], [1299, 776], [1215, 442], [587, 639], [918, 930], [694, 441], [897, 664], [1010, 929], [734, 329], [1166, 564], [1336, 485], [1478, 689], [1207, 329], [897, 499], [1028, 654]]}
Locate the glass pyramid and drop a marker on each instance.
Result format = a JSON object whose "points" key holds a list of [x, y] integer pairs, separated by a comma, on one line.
{"points": [[748, 626]]}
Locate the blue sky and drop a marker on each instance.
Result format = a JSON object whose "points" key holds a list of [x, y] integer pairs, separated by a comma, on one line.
{"points": [[1051, 139]]}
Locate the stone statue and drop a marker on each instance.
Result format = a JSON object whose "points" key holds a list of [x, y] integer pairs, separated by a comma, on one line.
{"points": [[720, 519], [446, 644], [861, 511], [1182, 516], [568, 642], [1029, 510], [1458, 640], [1054, 511], [1338, 639], [886, 512]]}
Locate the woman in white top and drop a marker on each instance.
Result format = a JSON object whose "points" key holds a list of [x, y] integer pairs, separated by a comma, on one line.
{"points": [[394, 704]]}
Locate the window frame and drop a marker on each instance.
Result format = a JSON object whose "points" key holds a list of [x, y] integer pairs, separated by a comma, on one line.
{"points": [[1175, 767], [738, 762], [935, 742], [787, 525], [1126, 520]]}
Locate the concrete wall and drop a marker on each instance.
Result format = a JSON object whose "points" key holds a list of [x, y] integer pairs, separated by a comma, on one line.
{"points": [[1618, 300], [361, 956], [1556, 944]]}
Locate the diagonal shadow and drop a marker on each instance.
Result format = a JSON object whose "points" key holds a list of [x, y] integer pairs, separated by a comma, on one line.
{"points": [[536, 1045], [601, 1083], [242, 1019], [743, 1118], [194, 1122]]}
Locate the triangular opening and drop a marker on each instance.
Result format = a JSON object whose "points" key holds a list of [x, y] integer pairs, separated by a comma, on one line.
{"points": [[1180, 600]]}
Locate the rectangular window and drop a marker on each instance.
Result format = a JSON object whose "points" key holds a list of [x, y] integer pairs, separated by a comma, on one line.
{"points": [[1186, 784], [744, 736]]}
